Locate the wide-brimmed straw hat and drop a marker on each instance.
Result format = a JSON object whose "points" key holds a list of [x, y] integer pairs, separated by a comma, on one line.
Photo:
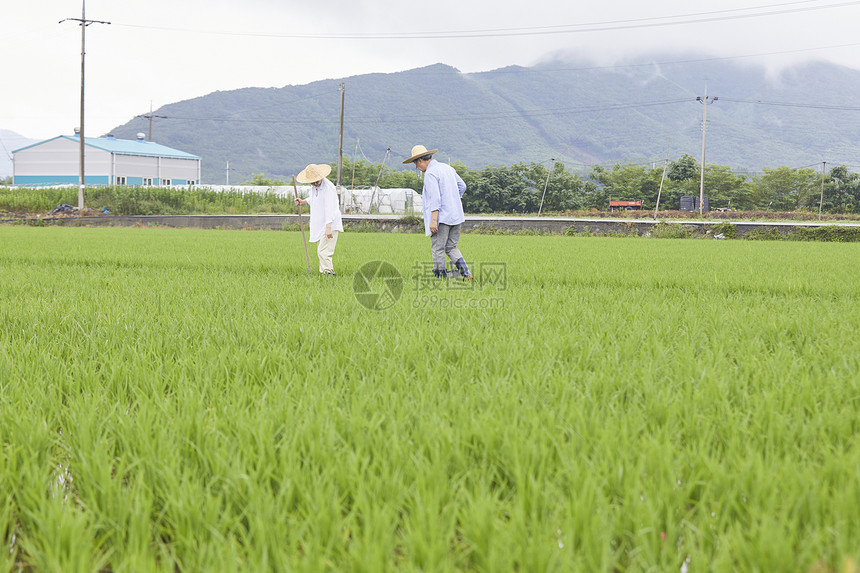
{"points": [[419, 151], [313, 173]]}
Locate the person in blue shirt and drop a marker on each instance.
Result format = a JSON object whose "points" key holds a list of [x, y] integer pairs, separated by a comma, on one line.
{"points": [[443, 211]]}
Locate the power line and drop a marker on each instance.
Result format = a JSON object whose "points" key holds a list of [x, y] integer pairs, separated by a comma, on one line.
{"points": [[446, 117], [603, 26], [230, 116], [790, 104]]}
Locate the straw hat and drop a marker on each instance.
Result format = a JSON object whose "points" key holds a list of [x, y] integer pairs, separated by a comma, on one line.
{"points": [[419, 151], [313, 172]]}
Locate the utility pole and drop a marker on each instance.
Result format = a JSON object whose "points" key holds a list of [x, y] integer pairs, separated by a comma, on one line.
{"points": [[149, 117], [704, 132], [821, 201], [378, 177], [84, 23], [340, 141], [352, 183], [228, 172], [545, 185], [662, 178]]}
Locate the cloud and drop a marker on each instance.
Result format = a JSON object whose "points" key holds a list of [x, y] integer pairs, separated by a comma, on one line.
{"points": [[163, 52]]}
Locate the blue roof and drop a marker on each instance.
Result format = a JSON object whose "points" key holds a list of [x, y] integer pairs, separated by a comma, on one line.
{"points": [[124, 147]]}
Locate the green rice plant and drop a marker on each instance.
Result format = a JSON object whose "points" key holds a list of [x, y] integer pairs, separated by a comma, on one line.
{"points": [[193, 400]]}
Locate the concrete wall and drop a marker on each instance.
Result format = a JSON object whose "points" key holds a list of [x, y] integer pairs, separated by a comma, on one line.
{"points": [[396, 223]]}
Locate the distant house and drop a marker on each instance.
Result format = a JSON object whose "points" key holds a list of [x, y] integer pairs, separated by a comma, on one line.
{"points": [[624, 205], [107, 161]]}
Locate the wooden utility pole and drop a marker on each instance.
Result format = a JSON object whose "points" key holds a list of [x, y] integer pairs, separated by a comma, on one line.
{"points": [[84, 23], [821, 200], [301, 224], [340, 142], [545, 185], [662, 178], [704, 132]]}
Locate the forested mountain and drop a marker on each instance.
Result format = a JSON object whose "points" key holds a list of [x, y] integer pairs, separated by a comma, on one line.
{"points": [[572, 112]]}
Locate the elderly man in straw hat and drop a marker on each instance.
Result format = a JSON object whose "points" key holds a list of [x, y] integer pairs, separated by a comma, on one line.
{"points": [[443, 211], [326, 221]]}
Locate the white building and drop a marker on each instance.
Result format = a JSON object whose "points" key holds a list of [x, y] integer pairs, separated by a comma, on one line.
{"points": [[107, 161]]}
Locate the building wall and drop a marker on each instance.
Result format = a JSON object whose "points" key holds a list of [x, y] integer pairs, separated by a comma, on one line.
{"points": [[58, 158], [48, 180], [136, 166], [55, 162], [180, 171]]}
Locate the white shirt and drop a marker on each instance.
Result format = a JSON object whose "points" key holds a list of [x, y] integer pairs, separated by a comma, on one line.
{"points": [[324, 210]]}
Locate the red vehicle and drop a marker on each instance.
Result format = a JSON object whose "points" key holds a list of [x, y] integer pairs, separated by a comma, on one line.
{"points": [[624, 205]]}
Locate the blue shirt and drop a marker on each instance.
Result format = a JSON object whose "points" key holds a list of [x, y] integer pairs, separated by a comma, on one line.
{"points": [[443, 188]]}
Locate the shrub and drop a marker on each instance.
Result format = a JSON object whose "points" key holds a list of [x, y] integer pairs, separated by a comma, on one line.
{"points": [[828, 234], [766, 234], [663, 230], [725, 229], [411, 221]]}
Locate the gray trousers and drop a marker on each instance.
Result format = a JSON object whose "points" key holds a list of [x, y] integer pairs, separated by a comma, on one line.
{"points": [[444, 242]]}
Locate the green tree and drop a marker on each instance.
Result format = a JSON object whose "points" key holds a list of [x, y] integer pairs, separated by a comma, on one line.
{"points": [[625, 182], [565, 191], [785, 189], [726, 189], [260, 180], [629, 182], [684, 169], [500, 189], [842, 191]]}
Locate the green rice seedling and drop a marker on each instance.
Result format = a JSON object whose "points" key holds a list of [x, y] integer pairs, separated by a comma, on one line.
{"points": [[185, 399]]}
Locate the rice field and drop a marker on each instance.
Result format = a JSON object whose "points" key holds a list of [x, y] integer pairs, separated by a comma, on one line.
{"points": [[187, 400]]}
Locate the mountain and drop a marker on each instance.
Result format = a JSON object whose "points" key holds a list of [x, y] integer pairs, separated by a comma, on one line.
{"points": [[9, 142], [569, 111]]}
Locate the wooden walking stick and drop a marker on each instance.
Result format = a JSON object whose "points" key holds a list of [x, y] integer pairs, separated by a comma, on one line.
{"points": [[301, 225]]}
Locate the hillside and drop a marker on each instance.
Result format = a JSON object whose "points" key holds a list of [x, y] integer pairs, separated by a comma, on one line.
{"points": [[578, 114]]}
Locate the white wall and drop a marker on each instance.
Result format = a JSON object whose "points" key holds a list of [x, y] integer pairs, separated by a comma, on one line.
{"points": [[60, 157], [135, 166], [174, 168]]}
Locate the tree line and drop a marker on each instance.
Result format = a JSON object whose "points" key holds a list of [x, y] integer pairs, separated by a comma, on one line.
{"points": [[518, 188]]}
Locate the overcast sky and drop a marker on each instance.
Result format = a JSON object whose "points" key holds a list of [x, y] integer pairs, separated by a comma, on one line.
{"points": [[158, 52]]}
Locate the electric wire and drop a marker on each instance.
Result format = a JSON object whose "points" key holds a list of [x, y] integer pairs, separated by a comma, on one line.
{"points": [[792, 104], [603, 26], [428, 118]]}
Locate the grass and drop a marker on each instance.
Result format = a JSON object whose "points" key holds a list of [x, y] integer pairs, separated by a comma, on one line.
{"points": [[192, 400], [131, 200]]}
